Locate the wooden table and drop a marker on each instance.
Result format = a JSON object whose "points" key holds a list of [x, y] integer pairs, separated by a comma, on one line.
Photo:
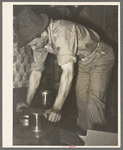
{"points": [[51, 134]]}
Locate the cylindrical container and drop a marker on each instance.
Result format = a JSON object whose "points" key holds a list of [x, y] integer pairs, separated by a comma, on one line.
{"points": [[24, 120], [47, 99], [37, 122]]}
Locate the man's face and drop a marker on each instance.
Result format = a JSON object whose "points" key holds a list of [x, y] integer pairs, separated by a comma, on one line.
{"points": [[39, 42]]}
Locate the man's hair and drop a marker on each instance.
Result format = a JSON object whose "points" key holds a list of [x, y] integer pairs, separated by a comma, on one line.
{"points": [[38, 36]]}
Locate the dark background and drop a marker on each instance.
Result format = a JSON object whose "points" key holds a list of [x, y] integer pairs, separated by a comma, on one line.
{"points": [[103, 20]]}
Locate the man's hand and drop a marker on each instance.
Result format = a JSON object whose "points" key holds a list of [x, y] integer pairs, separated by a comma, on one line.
{"points": [[53, 115], [20, 105]]}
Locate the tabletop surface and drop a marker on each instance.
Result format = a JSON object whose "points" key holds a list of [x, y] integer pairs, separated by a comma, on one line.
{"points": [[51, 135]]}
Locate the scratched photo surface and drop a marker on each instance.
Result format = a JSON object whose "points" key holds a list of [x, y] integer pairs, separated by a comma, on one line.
{"points": [[64, 74]]}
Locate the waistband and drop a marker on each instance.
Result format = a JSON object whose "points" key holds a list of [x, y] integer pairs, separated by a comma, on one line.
{"points": [[87, 57], [101, 47]]}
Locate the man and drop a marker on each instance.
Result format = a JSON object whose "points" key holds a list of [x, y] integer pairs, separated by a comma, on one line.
{"points": [[71, 43]]}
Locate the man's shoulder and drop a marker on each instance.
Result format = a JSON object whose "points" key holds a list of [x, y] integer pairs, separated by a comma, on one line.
{"points": [[62, 25]]}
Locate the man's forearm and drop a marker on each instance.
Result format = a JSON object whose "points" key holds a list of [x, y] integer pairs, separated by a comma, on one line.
{"points": [[65, 86], [34, 81]]}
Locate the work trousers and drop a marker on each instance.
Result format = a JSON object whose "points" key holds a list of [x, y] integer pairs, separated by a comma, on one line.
{"points": [[91, 87]]}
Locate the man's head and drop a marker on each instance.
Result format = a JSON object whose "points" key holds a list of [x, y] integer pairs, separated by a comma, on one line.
{"points": [[28, 26], [40, 41]]}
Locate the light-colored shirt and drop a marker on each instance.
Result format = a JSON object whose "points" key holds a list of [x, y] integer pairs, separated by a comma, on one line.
{"points": [[68, 41]]}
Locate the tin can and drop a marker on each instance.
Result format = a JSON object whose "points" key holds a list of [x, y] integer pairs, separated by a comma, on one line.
{"points": [[24, 120], [37, 122], [47, 99]]}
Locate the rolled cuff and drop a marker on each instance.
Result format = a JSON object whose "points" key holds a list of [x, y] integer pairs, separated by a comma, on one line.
{"points": [[64, 59], [37, 67]]}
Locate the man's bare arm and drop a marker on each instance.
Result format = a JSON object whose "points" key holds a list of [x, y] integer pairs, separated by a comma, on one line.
{"points": [[34, 81], [65, 84], [64, 88]]}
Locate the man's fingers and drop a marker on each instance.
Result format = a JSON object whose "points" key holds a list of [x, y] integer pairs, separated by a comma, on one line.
{"points": [[18, 109], [45, 115], [50, 116], [19, 105], [47, 112], [59, 117], [53, 117]]}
